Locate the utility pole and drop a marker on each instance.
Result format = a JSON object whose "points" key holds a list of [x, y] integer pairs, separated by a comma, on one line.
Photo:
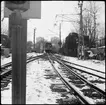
{"points": [[95, 27], [34, 38], [81, 37], [61, 21], [96, 41], [60, 35]]}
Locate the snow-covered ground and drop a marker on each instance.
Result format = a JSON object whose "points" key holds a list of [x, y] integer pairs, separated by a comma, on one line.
{"points": [[33, 54], [5, 60], [94, 64], [38, 89]]}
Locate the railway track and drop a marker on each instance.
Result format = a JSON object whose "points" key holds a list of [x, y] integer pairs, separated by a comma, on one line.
{"points": [[10, 63], [94, 76], [86, 91], [85, 69], [82, 90], [6, 71]]}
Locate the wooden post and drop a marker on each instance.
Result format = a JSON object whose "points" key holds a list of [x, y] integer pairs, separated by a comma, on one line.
{"points": [[81, 37], [34, 38], [18, 35], [60, 34]]}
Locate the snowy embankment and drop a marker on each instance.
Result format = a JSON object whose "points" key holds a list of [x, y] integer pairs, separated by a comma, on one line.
{"points": [[94, 64]]}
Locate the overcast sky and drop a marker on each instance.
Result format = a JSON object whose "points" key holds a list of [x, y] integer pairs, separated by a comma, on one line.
{"points": [[49, 9]]}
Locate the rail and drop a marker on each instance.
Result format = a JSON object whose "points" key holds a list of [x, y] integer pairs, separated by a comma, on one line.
{"points": [[71, 86], [81, 78], [83, 66], [84, 70], [10, 63]]}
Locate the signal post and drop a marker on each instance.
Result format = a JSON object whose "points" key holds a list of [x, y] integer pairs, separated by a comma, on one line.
{"points": [[19, 38], [18, 33], [18, 13], [34, 38]]}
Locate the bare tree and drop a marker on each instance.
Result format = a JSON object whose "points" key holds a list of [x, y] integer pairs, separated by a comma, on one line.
{"points": [[55, 43], [89, 20], [29, 46], [39, 46]]}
